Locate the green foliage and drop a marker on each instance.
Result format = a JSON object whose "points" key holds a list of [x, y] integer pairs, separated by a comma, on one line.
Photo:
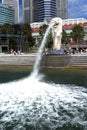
{"points": [[27, 32], [49, 43], [17, 29], [7, 28], [13, 43], [20, 31], [28, 45], [64, 36], [0, 41], [43, 30], [77, 33]]}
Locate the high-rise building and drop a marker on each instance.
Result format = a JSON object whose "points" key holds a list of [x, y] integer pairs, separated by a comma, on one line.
{"points": [[15, 6], [8, 13], [27, 10], [35, 10], [30, 10], [44, 10], [62, 8]]}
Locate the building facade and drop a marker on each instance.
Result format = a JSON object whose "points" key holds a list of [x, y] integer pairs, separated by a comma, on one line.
{"points": [[44, 10], [67, 25], [8, 13], [62, 8], [15, 5], [27, 11]]}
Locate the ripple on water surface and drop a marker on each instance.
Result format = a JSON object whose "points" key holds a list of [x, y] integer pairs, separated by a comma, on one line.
{"points": [[34, 105]]}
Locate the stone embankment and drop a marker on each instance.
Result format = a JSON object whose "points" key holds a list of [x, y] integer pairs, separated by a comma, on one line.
{"points": [[48, 61], [24, 59], [78, 60], [65, 61]]}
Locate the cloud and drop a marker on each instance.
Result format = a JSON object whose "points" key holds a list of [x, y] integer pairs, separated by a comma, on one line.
{"points": [[77, 8], [84, 9]]}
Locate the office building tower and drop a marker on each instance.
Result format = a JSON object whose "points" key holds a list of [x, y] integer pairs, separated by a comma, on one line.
{"points": [[38, 10], [35, 11], [7, 14], [15, 6], [30, 11], [62, 8], [44, 10], [27, 11]]}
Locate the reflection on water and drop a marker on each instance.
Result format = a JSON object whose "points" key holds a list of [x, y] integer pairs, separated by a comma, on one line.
{"points": [[7, 76], [74, 77], [54, 103]]}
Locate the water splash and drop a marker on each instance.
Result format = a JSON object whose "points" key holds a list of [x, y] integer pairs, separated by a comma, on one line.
{"points": [[40, 51], [34, 105]]}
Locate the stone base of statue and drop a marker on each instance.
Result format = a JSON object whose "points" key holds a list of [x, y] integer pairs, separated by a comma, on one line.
{"points": [[56, 52]]}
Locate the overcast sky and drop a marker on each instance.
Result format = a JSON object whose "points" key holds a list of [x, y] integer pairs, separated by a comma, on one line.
{"points": [[76, 8]]}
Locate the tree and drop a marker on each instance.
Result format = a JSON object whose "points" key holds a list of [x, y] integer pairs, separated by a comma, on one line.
{"points": [[17, 29], [49, 43], [19, 38], [0, 29], [7, 29], [42, 30], [64, 37], [13, 43], [27, 32], [77, 33]]}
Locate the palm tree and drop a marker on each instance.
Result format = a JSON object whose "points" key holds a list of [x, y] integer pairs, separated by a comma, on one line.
{"points": [[49, 43], [27, 31], [42, 30], [13, 43], [18, 40], [64, 37], [77, 33]]}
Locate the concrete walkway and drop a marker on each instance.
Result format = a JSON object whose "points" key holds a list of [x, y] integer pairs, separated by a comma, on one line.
{"points": [[22, 54]]}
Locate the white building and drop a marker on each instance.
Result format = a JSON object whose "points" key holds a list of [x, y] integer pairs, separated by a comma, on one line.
{"points": [[67, 25], [74, 21], [64, 22]]}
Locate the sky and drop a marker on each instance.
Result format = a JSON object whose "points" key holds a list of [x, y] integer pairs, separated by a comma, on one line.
{"points": [[76, 9]]}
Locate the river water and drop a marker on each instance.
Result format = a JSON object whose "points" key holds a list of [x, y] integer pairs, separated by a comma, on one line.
{"points": [[51, 100], [57, 100]]}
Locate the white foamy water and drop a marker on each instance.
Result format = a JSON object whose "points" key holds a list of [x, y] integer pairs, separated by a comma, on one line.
{"points": [[33, 104]]}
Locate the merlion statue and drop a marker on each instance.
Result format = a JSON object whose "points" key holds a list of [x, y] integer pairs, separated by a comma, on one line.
{"points": [[57, 33]]}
